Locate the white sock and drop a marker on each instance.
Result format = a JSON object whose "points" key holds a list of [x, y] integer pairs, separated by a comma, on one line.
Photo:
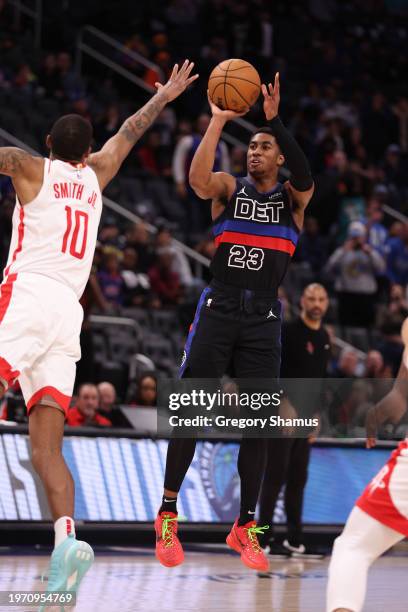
{"points": [[63, 527]]}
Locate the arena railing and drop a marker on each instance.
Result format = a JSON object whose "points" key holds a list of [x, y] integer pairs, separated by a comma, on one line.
{"points": [[86, 46], [35, 13], [197, 260]]}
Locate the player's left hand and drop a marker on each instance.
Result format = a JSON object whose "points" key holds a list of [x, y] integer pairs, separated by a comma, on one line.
{"points": [[271, 96], [179, 80]]}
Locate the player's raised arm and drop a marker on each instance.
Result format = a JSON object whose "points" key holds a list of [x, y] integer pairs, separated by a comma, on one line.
{"points": [[395, 404], [206, 183], [17, 163], [301, 182], [108, 160]]}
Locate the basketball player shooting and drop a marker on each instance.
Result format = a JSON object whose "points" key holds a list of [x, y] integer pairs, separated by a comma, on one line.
{"points": [[55, 225], [256, 224], [379, 520]]}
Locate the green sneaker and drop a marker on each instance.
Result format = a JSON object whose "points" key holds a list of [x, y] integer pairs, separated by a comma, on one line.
{"points": [[69, 563]]}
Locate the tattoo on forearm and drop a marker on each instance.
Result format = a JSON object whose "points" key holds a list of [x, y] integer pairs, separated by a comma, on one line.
{"points": [[136, 125], [11, 160]]}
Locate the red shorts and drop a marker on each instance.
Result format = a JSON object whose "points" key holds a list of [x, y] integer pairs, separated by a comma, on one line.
{"points": [[386, 497]]}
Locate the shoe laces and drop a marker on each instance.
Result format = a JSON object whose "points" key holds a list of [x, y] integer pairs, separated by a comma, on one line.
{"points": [[253, 537], [168, 530]]}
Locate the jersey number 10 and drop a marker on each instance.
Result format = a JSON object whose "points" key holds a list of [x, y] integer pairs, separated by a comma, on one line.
{"points": [[81, 218]]}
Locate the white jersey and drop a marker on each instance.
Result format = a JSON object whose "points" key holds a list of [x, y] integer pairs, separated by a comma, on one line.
{"points": [[55, 234]]}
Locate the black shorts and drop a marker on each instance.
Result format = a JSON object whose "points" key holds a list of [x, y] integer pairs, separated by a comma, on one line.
{"points": [[236, 332]]}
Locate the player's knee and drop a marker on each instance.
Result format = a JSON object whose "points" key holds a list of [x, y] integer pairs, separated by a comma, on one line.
{"points": [[43, 457]]}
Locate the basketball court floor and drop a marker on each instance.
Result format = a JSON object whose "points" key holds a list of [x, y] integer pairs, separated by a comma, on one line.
{"points": [[211, 579]]}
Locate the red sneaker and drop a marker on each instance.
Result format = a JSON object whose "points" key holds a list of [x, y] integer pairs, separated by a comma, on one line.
{"points": [[244, 540], [168, 547]]}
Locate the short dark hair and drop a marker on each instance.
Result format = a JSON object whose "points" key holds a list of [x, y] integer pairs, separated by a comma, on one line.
{"points": [[71, 137], [263, 130]]}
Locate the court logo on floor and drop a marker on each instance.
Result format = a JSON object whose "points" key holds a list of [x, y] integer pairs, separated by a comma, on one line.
{"points": [[218, 471]]}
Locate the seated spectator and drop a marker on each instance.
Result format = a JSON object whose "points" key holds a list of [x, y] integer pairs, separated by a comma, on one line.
{"points": [[107, 405], [164, 282], [377, 234], [152, 76], [180, 263], [355, 266], [153, 160], [107, 398], [110, 278], [146, 393], [136, 290], [397, 258], [108, 125], [85, 412], [48, 79], [312, 247], [138, 237], [109, 232]]}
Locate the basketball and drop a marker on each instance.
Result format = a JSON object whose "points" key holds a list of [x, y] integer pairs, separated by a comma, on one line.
{"points": [[234, 85]]}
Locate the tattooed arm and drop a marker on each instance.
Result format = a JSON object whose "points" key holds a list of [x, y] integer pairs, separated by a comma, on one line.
{"points": [[108, 160], [25, 170], [14, 161]]}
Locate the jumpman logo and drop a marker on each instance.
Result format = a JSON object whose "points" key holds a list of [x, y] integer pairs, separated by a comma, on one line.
{"points": [[270, 314], [243, 192]]}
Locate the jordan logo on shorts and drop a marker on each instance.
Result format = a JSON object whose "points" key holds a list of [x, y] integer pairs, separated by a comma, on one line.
{"points": [[271, 315]]}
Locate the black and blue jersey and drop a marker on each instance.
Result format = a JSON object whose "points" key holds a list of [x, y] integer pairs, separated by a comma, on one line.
{"points": [[256, 237]]}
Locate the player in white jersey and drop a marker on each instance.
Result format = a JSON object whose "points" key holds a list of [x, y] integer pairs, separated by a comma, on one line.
{"points": [[55, 226], [379, 520]]}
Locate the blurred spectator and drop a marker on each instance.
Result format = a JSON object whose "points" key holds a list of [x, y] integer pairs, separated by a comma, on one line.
{"points": [[198, 211], [312, 247], [152, 156], [397, 259], [146, 393], [164, 282], [69, 83], [136, 291], [347, 364], [395, 169], [84, 413], [379, 125], [377, 233], [48, 79], [138, 237], [107, 398], [109, 232], [180, 263], [153, 76], [110, 278], [107, 405], [355, 266], [108, 125], [24, 79]]}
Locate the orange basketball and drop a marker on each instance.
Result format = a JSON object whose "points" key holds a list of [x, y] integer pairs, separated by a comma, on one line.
{"points": [[234, 84]]}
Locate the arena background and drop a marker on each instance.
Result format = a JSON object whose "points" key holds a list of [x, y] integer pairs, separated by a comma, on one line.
{"points": [[343, 69]]}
